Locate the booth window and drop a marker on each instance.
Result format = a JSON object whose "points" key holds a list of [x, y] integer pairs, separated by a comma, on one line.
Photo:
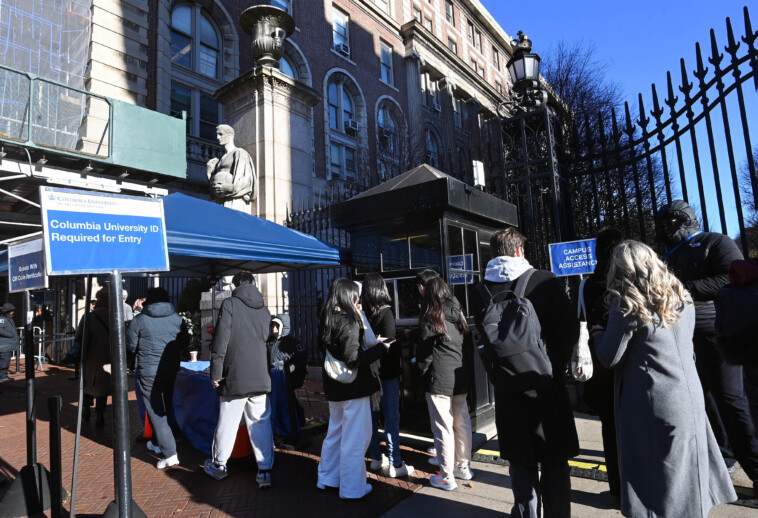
{"points": [[464, 268]]}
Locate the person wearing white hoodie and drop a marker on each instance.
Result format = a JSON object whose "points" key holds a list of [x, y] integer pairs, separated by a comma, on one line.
{"points": [[535, 429]]}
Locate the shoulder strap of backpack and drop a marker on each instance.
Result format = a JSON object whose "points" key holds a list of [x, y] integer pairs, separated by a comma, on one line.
{"points": [[522, 282], [484, 293]]}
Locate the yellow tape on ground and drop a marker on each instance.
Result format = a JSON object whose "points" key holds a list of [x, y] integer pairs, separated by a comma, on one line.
{"points": [[573, 463]]}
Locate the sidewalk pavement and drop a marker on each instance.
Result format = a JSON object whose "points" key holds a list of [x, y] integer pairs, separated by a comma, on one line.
{"points": [[185, 491]]}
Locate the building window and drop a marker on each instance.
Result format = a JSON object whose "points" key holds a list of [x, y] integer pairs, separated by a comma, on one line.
{"points": [[417, 14], [387, 130], [458, 112], [428, 23], [499, 87], [473, 64], [342, 161], [432, 150], [495, 59], [452, 45], [429, 89], [384, 5], [470, 32], [385, 63], [481, 71], [340, 35], [287, 68], [203, 112], [195, 43], [449, 12], [285, 5], [341, 108], [479, 41]]}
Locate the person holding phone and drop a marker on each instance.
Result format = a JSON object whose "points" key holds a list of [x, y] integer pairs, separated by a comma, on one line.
{"points": [[375, 301], [341, 332]]}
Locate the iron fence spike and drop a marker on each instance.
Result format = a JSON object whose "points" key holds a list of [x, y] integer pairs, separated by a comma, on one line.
{"points": [[671, 99], [716, 57], [686, 86], [732, 46]]}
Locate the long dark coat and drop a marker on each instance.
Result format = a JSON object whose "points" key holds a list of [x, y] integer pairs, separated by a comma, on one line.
{"points": [[97, 382], [669, 460], [538, 426]]}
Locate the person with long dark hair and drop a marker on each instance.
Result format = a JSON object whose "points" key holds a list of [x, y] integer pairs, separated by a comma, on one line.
{"points": [[341, 333], [439, 358], [375, 302], [669, 459]]}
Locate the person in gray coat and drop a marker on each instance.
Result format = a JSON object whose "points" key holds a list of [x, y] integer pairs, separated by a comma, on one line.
{"points": [[156, 336], [9, 341], [670, 463]]}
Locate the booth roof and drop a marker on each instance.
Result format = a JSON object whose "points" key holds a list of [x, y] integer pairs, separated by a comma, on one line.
{"points": [[205, 238]]}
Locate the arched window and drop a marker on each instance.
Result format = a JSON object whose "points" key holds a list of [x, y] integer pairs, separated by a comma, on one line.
{"points": [[432, 150], [196, 69], [388, 130], [344, 124], [341, 108], [195, 43]]}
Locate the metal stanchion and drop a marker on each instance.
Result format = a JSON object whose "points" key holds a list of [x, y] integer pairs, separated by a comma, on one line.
{"points": [[123, 506], [29, 493], [57, 492]]}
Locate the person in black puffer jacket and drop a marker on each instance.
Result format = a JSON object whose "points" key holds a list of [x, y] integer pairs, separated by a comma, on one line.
{"points": [[701, 261], [439, 358], [9, 340], [375, 302], [239, 371], [343, 451], [156, 336]]}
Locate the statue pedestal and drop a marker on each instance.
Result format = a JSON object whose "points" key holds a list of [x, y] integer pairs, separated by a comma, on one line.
{"points": [[272, 116]]}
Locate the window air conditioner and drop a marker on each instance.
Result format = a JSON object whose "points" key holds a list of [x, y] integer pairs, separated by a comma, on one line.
{"points": [[342, 48], [351, 126]]}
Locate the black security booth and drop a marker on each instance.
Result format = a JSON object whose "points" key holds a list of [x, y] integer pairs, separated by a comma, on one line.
{"points": [[427, 219]]}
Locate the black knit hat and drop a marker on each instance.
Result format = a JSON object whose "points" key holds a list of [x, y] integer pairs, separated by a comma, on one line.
{"points": [[7, 308]]}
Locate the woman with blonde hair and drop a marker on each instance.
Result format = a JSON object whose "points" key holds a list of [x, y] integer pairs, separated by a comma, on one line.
{"points": [[669, 461]]}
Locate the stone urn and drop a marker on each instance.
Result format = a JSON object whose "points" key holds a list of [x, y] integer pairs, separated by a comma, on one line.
{"points": [[268, 26]]}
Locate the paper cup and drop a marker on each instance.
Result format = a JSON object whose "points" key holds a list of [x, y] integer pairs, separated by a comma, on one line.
{"points": [[193, 356]]}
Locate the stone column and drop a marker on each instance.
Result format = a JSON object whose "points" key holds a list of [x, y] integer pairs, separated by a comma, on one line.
{"points": [[447, 98], [271, 115], [415, 109]]}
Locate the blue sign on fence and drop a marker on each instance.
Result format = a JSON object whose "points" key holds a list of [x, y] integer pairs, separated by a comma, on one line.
{"points": [[461, 262], [88, 232], [26, 266], [573, 257]]}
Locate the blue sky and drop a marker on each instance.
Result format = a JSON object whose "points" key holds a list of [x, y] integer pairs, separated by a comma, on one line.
{"points": [[640, 41]]}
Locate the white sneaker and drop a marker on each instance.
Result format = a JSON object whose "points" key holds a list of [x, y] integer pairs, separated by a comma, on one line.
{"points": [[167, 463], [376, 465], [402, 471], [433, 461], [153, 448], [448, 484], [463, 473]]}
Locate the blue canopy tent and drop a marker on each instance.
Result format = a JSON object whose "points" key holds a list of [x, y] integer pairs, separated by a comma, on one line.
{"points": [[205, 238]]}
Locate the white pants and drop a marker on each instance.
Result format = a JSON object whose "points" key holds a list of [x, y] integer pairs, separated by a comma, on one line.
{"points": [[451, 426], [343, 453], [257, 413]]}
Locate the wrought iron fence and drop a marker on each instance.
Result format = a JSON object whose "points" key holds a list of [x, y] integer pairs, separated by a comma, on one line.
{"points": [[620, 171], [309, 288]]}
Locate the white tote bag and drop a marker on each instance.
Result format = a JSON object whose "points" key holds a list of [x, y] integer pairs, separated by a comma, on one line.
{"points": [[581, 359]]}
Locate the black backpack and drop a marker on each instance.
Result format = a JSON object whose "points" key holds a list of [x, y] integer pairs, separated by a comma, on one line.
{"points": [[513, 342]]}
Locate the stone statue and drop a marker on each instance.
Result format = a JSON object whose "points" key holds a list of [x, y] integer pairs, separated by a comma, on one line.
{"points": [[231, 177]]}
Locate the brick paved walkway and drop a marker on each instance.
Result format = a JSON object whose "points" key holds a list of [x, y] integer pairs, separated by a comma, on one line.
{"points": [[185, 490]]}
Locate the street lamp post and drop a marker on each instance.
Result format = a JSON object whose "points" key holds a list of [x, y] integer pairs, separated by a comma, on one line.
{"points": [[529, 153]]}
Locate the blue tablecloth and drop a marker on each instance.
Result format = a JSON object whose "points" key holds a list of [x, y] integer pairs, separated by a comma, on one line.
{"points": [[196, 405]]}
